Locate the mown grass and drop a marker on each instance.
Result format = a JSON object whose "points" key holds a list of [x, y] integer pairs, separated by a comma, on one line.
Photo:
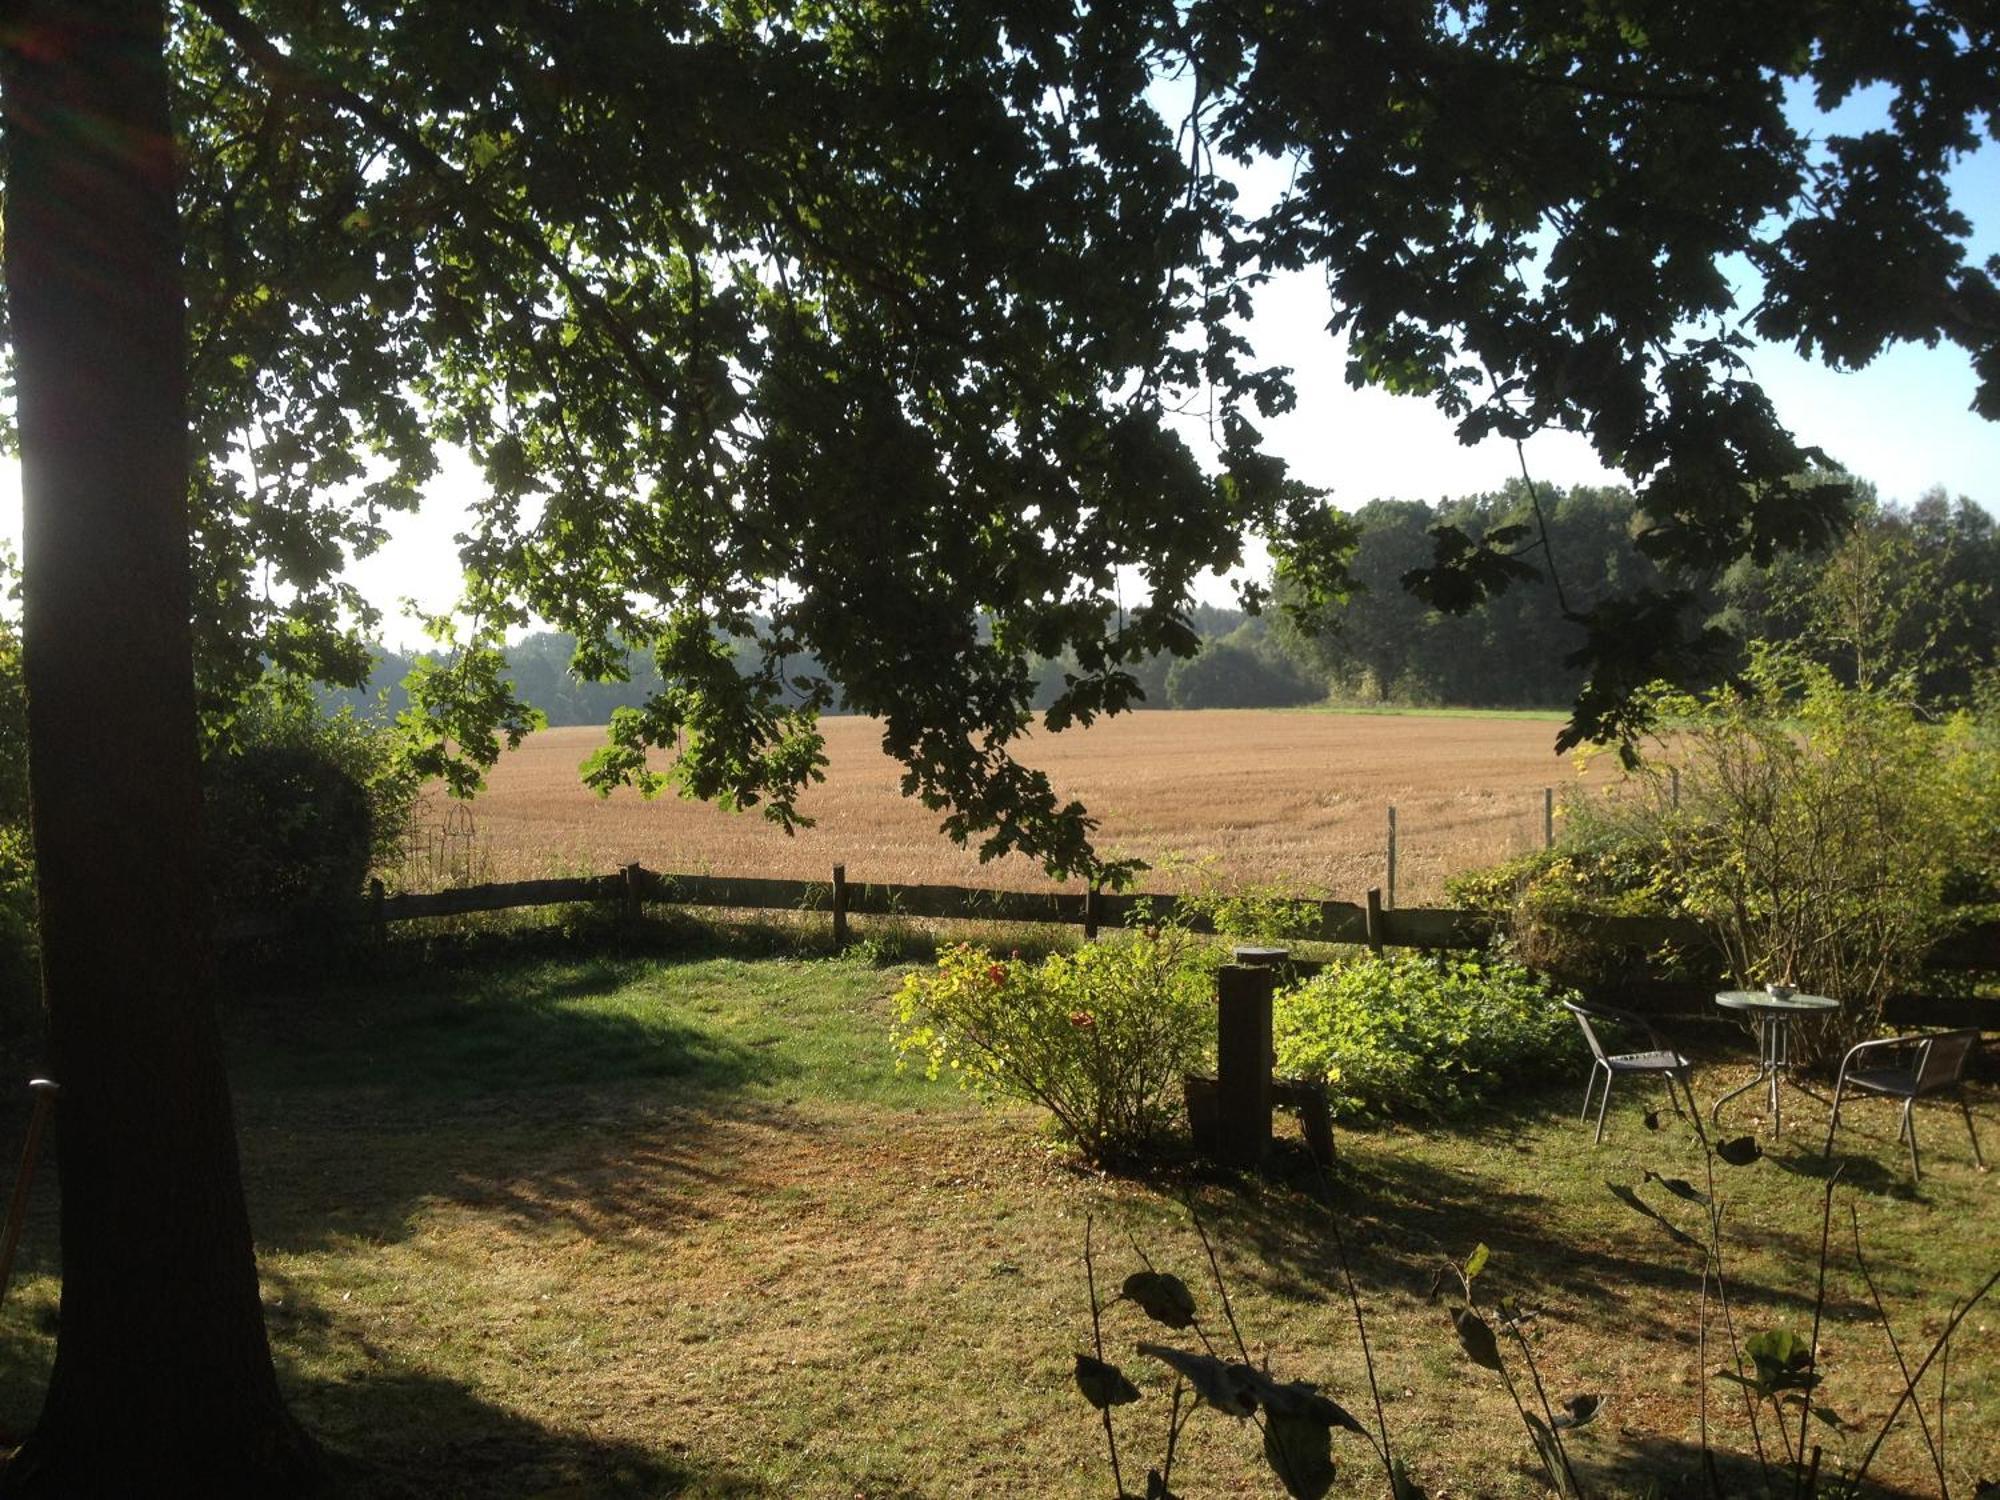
{"points": [[549, 1217]]}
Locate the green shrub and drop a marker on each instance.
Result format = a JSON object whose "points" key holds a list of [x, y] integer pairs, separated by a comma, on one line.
{"points": [[1100, 1038], [1818, 831], [299, 808], [1419, 1035]]}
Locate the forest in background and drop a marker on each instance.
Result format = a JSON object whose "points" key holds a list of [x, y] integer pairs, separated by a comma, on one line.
{"points": [[1919, 582]]}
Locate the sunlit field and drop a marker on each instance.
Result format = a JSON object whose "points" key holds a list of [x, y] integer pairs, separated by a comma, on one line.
{"points": [[1298, 798]]}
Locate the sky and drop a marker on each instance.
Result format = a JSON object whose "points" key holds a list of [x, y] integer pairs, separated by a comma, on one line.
{"points": [[1902, 423]]}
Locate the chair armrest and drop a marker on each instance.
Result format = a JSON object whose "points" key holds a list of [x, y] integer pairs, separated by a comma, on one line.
{"points": [[1899, 1043]]}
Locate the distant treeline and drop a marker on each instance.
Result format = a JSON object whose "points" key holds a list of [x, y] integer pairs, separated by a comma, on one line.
{"points": [[1917, 583]]}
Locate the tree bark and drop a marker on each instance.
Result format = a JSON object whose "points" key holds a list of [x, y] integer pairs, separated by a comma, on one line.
{"points": [[163, 1382]]}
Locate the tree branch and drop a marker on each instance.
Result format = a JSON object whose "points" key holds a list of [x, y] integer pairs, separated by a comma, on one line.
{"points": [[290, 73]]}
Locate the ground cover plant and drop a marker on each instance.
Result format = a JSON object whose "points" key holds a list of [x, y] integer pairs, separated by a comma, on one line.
{"points": [[559, 1216], [1419, 1035]]}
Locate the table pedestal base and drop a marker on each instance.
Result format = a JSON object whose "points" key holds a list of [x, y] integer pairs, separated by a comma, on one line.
{"points": [[1774, 1067]]}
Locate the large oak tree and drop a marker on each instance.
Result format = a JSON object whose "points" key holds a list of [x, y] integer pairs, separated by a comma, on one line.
{"points": [[861, 326]]}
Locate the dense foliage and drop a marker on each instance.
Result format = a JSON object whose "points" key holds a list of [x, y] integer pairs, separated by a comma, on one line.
{"points": [[1100, 1038], [1914, 584], [1414, 1035], [849, 300], [1819, 830], [300, 807]]}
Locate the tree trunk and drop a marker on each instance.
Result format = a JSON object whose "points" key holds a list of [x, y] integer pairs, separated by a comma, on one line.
{"points": [[163, 1381]]}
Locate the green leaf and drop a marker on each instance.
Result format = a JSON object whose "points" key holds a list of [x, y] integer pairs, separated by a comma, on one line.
{"points": [[1550, 1450], [1639, 1205], [1299, 1450], [1783, 1361], [1229, 1388], [1579, 1411], [1301, 1398], [1476, 1262], [1103, 1385], [1163, 1298], [1741, 1151], [1680, 1187], [1476, 1338]]}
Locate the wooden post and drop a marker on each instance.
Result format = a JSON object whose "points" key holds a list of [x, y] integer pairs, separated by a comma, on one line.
{"points": [[1548, 817], [629, 874], [1093, 913], [1375, 922], [1243, 1063], [1261, 958], [1392, 856], [376, 923], [840, 908]]}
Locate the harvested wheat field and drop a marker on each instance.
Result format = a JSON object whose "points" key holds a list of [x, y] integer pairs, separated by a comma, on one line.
{"points": [[1294, 798]]}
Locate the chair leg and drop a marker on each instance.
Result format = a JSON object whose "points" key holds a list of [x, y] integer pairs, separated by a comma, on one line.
{"points": [[1910, 1134], [1966, 1110], [1589, 1088], [1601, 1103]]}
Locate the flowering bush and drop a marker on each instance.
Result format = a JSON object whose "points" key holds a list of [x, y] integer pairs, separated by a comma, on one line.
{"points": [[1100, 1038], [1409, 1034]]}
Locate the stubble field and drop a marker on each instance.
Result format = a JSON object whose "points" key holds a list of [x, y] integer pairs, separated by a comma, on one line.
{"points": [[1299, 799]]}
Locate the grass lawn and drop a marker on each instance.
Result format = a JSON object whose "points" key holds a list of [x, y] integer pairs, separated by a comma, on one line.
{"points": [[664, 1221]]}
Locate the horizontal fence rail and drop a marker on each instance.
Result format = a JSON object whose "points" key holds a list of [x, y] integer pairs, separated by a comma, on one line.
{"points": [[1974, 947]]}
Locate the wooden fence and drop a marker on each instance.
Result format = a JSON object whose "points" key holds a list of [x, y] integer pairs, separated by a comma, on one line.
{"points": [[1369, 923]]}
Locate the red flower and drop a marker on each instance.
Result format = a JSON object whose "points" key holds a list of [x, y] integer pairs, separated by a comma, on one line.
{"points": [[996, 973], [1082, 1020]]}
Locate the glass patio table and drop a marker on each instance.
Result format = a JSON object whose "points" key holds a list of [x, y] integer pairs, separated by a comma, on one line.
{"points": [[1773, 1015]]}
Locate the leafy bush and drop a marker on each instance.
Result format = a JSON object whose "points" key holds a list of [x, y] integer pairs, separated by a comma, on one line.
{"points": [[1817, 831], [1599, 869], [299, 808], [1413, 1034], [1100, 1038]]}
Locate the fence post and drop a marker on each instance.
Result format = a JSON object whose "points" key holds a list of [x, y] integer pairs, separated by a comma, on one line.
{"points": [[839, 908], [376, 921], [629, 876], [1392, 856], [1243, 1063], [1548, 817], [1093, 913], [1375, 921]]}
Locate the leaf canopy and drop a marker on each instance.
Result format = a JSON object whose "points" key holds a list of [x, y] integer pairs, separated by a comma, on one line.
{"points": [[869, 330]]}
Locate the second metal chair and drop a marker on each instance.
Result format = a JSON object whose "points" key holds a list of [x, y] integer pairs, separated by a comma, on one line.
{"points": [[1662, 1059]]}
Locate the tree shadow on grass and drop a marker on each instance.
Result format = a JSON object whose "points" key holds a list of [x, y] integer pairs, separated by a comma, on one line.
{"points": [[395, 1433], [1403, 1217], [598, 1168], [1672, 1469], [409, 1435], [451, 1037]]}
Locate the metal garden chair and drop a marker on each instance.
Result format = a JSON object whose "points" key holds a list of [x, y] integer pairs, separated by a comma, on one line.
{"points": [[1907, 1068], [1663, 1059]]}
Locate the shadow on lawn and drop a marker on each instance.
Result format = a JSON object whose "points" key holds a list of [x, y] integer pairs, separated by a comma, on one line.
{"points": [[1404, 1216], [1670, 1469], [392, 1433]]}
